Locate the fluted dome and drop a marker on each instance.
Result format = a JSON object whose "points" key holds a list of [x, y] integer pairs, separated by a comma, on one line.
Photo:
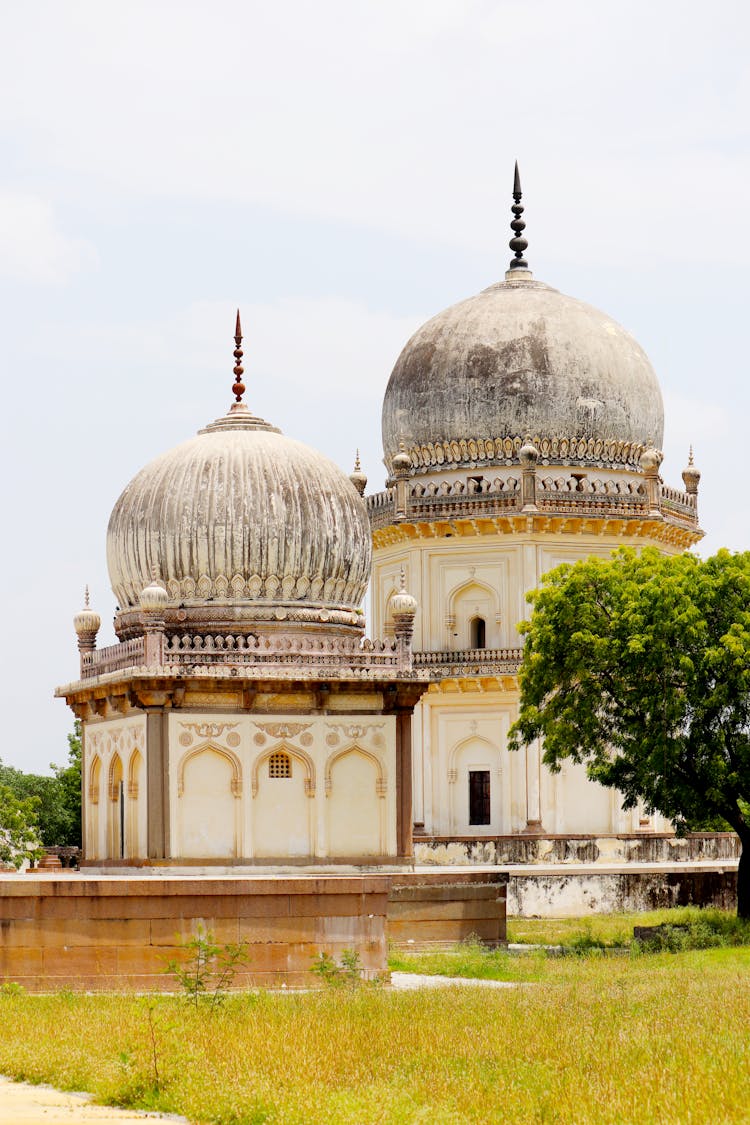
{"points": [[244, 527], [521, 360]]}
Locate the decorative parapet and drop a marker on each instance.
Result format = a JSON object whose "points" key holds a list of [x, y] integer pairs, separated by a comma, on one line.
{"points": [[569, 494], [227, 653], [114, 658], [471, 661]]}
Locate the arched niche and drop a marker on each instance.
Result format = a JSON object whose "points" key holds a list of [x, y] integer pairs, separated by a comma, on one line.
{"points": [[304, 759], [115, 809], [474, 788], [356, 787], [135, 821], [209, 785], [282, 811], [93, 793], [469, 602]]}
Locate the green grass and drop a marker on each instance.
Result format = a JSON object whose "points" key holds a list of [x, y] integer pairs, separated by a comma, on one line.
{"points": [[660, 1039], [613, 930]]}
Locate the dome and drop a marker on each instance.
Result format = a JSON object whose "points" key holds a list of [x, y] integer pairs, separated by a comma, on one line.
{"points": [[521, 361], [243, 527]]}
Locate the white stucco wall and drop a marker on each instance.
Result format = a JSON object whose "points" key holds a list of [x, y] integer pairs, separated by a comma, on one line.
{"points": [[464, 724]]}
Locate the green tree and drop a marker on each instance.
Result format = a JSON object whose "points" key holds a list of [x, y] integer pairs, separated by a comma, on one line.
{"points": [[19, 837], [639, 667], [58, 797]]}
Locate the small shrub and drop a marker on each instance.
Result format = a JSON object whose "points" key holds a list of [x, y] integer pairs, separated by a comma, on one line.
{"points": [[12, 988], [348, 972], [208, 969]]}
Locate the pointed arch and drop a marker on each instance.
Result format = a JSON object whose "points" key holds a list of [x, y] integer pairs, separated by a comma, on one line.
{"points": [[115, 809], [236, 782], [114, 777], [135, 821], [95, 776], [208, 821], [381, 783], [293, 752], [464, 587], [355, 816], [464, 742], [134, 774], [472, 614]]}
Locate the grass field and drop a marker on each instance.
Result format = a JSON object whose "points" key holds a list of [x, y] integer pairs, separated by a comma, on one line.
{"points": [[593, 1040]]}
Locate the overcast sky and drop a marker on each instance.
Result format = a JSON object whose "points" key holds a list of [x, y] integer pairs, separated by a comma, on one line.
{"points": [[341, 170]]}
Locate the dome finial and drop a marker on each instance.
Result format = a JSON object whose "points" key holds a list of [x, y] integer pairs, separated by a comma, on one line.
{"points": [[517, 243], [86, 587], [238, 389], [358, 478]]}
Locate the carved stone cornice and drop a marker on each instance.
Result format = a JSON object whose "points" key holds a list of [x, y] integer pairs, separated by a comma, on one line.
{"points": [[476, 452], [663, 530]]}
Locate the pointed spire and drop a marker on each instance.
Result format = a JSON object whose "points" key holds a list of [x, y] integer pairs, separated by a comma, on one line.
{"points": [[238, 389], [690, 456], [518, 243], [86, 588], [357, 477]]}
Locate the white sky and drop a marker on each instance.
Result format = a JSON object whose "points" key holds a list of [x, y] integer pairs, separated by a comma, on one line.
{"points": [[341, 170]]}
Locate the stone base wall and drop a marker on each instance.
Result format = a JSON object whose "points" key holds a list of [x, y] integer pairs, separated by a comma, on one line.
{"points": [[119, 932], [568, 893], [623, 848], [427, 909]]}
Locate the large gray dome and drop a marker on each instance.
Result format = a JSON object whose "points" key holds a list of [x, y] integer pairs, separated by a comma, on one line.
{"points": [[243, 526], [521, 359]]}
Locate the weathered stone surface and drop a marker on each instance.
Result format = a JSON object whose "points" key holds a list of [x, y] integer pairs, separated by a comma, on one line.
{"points": [[241, 514], [521, 359]]}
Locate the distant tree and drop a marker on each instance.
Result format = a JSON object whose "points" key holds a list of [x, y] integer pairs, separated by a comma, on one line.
{"points": [[58, 798], [639, 667], [19, 836]]}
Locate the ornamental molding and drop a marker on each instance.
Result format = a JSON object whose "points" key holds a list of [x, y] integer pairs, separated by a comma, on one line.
{"points": [[282, 730], [578, 449], [581, 522], [191, 731], [355, 732]]}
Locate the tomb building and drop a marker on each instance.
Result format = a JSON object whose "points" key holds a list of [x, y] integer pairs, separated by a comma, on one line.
{"points": [[521, 429], [243, 717]]}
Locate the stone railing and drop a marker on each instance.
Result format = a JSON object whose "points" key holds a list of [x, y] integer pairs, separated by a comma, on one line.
{"points": [[679, 503], [185, 652], [113, 658], [587, 503], [239, 649], [569, 494], [470, 659]]}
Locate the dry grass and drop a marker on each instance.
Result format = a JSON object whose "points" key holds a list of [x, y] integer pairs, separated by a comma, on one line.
{"points": [[597, 1041]]}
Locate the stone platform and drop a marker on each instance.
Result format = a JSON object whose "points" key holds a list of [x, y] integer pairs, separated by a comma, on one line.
{"points": [[119, 931]]}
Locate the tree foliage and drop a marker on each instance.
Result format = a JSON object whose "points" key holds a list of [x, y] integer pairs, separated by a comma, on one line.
{"points": [[19, 837], [58, 797], [639, 667]]}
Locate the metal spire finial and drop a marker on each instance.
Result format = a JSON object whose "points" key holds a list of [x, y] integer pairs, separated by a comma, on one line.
{"points": [[518, 243], [690, 456], [357, 465], [86, 596], [238, 388]]}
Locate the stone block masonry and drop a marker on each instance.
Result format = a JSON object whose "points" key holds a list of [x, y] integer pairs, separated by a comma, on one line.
{"points": [[120, 932]]}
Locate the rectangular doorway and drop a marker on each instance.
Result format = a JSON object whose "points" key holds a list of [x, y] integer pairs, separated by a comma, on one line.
{"points": [[479, 797]]}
